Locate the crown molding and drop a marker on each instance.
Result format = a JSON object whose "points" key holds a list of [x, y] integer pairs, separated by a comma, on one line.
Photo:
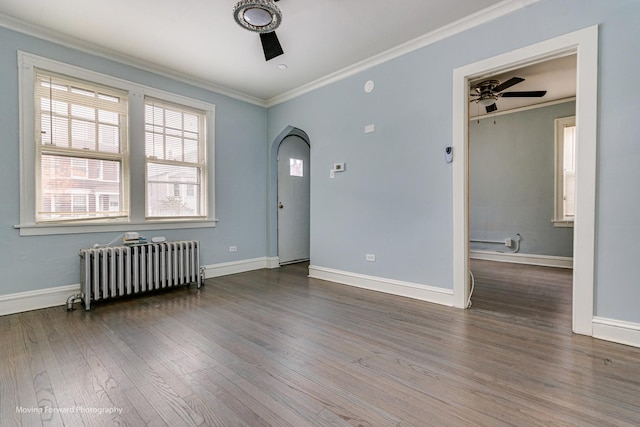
{"points": [[483, 16], [505, 7], [100, 51]]}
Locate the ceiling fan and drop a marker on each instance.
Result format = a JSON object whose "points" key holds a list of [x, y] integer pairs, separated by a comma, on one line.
{"points": [[262, 17], [488, 92]]}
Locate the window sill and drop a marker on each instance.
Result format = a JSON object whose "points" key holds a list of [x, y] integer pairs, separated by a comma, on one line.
{"points": [[563, 223], [53, 229]]}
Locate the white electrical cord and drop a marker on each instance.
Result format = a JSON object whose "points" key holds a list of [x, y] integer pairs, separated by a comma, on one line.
{"points": [[517, 243], [473, 285], [119, 236]]}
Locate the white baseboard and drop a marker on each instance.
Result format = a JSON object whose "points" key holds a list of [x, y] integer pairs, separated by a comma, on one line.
{"points": [[619, 331], [51, 297], [390, 286], [518, 258], [35, 300], [233, 267]]}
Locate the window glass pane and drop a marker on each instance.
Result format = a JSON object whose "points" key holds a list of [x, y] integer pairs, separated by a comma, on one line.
{"points": [[191, 123], [83, 135], [54, 131], [168, 193], [83, 112], [79, 203], [190, 151], [177, 129], [79, 168], [108, 117], [569, 155], [569, 176], [174, 148], [71, 187], [296, 167], [154, 146], [109, 138]]}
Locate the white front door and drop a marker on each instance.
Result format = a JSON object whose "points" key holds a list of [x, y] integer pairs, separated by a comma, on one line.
{"points": [[293, 200]]}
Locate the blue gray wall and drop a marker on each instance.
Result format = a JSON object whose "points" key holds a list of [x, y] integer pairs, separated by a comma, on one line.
{"points": [[31, 263], [511, 180], [395, 199]]}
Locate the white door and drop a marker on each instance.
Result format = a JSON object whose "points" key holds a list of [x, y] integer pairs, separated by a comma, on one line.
{"points": [[293, 200]]}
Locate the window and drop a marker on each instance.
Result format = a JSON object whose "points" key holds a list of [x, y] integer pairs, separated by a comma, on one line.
{"points": [[78, 125], [565, 173], [296, 167], [104, 154], [174, 157]]}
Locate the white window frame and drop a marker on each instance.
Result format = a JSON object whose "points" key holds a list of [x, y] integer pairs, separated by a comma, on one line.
{"points": [[198, 163], [559, 219], [84, 167], [135, 184]]}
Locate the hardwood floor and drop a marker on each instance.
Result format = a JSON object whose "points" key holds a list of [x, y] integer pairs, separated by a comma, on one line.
{"points": [[273, 347]]}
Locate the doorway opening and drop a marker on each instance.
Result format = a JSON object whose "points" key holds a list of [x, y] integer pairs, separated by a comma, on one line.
{"points": [[521, 258], [583, 43], [293, 200]]}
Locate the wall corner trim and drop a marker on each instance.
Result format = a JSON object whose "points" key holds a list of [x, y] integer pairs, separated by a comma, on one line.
{"points": [[618, 331], [396, 287]]}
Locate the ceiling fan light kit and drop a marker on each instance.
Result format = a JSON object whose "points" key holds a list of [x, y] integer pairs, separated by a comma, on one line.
{"points": [[489, 91]]}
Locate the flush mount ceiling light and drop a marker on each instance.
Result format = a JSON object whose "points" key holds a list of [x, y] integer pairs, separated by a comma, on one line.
{"points": [[261, 16]]}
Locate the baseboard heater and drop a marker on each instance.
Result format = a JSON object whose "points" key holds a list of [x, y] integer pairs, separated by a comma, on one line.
{"points": [[118, 271]]}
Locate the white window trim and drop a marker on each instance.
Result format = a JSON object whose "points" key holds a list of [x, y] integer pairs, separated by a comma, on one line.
{"points": [[27, 63], [558, 214]]}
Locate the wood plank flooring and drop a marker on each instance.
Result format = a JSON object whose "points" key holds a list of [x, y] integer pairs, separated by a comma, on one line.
{"points": [[273, 347]]}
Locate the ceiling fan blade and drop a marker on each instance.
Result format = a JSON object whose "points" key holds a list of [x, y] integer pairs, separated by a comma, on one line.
{"points": [[528, 94], [491, 108], [512, 81], [270, 45]]}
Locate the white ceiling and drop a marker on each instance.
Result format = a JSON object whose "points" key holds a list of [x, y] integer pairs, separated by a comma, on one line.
{"points": [[199, 40]]}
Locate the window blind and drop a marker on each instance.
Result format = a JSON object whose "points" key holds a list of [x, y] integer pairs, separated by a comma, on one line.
{"points": [[81, 156]]}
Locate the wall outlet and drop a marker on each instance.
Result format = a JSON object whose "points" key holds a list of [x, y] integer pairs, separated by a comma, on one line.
{"points": [[332, 174], [369, 128], [233, 249], [508, 242], [370, 257]]}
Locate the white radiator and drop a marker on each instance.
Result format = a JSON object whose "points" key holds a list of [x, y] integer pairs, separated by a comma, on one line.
{"points": [[127, 270]]}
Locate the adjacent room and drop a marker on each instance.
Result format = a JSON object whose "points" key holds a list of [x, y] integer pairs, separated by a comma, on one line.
{"points": [[278, 212]]}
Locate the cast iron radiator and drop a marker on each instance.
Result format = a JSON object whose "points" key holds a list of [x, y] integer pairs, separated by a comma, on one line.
{"points": [[127, 270]]}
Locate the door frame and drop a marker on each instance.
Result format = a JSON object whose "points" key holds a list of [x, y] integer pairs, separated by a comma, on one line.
{"points": [[584, 43], [272, 191], [307, 170]]}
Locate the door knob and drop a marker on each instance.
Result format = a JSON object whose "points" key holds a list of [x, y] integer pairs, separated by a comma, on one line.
{"points": [[280, 205]]}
